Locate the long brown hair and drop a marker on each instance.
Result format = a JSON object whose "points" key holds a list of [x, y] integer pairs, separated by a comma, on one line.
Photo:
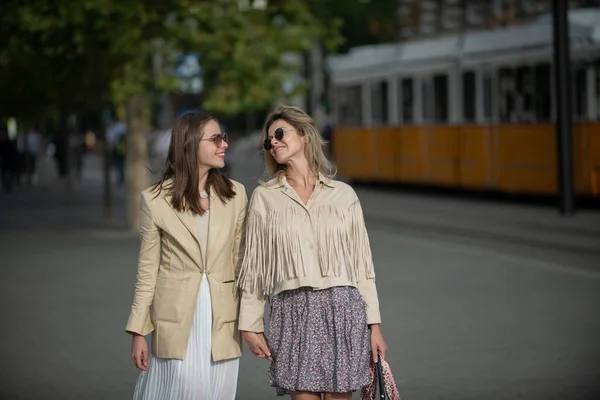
{"points": [[181, 178], [305, 126]]}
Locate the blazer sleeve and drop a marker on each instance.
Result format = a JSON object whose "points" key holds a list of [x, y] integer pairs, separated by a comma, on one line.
{"points": [[147, 270], [363, 261], [239, 242]]}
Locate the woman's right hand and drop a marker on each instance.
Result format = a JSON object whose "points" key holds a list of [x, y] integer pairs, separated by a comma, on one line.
{"points": [[139, 352], [258, 344]]}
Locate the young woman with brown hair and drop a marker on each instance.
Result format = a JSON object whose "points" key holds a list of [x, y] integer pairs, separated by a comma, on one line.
{"points": [[191, 228]]}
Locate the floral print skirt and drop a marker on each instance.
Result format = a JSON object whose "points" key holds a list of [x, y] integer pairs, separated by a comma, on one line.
{"points": [[319, 341]]}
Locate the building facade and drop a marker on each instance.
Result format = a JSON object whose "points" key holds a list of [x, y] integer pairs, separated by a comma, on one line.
{"points": [[427, 18]]}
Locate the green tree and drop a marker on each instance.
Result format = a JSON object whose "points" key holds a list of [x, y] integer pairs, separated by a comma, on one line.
{"points": [[361, 22], [65, 57]]}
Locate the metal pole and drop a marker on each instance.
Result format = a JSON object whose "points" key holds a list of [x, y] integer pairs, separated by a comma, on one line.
{"points": [[562, 79], [106, 164]]}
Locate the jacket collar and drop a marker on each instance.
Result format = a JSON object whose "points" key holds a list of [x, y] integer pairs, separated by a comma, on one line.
{"points": [[279, 182]]}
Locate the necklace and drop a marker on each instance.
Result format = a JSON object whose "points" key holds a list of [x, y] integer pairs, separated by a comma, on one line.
{"points": [[203, 194]]}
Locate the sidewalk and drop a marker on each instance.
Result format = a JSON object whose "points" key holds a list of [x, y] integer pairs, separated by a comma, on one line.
{"points": [[502, 221], [50, 205], [67, 278]]}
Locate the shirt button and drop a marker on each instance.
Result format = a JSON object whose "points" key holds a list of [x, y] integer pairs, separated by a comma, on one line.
{"points": [[311, 246]]}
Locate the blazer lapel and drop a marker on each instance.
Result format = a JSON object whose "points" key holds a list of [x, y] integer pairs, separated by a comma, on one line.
{"points": [[188, 220], [217, 208]]}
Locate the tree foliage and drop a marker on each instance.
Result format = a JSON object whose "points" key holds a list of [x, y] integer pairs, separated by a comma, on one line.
{"points": [[63, 57], [88, 54], [359, 22]]}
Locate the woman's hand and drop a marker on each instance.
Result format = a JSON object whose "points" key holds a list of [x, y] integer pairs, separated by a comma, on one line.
{"points": [[378, 345], [139, 352], [258, 344]]}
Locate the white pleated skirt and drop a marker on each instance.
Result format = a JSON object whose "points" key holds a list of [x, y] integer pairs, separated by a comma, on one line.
{"points": [[196, 377]]}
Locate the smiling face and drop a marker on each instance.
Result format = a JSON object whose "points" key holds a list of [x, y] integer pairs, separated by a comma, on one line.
{"points": [[290, 147], [211, 150], [300, 143]]}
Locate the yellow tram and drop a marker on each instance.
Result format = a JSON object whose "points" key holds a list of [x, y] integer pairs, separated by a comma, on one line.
{"points": [[473, 110]]}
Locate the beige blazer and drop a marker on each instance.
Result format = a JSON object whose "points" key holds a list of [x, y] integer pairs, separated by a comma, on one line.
{"points": [[170, 269]]}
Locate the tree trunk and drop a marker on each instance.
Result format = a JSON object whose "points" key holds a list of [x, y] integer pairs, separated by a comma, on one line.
{"points": [[106, 164], [71, 132], [137, 176]]}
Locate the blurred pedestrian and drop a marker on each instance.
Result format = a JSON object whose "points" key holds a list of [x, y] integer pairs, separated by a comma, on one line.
{"points": [[119, 152], [115, 140], [307, 250], [9, 159], [77, 150], [57, 148], [191, 230], [159, 146], [33, 141]]}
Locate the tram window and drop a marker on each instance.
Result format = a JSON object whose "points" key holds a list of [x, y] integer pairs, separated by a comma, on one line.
{"points": [[487, 96], [524, 95], [506, 93], [597, 90], [407, 97], [440, 85], [379, 103], [349, 105], [474, 12], [469, 96], [580, 92], [426, 100], [542, 101]]}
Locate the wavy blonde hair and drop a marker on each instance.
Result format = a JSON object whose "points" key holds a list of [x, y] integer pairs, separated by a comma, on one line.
{"points": [[313, 149]]}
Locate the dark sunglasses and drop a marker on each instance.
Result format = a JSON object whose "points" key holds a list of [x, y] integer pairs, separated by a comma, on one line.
{"points": [[278, 135], [218, 139]]}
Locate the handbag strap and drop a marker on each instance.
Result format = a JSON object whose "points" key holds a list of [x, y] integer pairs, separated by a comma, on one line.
{"points": [[382, 395]]}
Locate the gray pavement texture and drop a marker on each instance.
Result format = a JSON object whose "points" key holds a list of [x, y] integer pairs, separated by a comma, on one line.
{"points": [[480, 300]]}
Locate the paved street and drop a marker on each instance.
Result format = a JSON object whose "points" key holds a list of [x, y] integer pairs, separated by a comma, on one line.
{"points": [[480, 300]]}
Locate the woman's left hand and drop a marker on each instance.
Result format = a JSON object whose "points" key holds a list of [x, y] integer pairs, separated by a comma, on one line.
{"points": [[378, 345]]}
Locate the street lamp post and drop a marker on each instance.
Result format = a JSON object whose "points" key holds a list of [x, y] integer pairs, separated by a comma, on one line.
{"points": [[562, 78]]}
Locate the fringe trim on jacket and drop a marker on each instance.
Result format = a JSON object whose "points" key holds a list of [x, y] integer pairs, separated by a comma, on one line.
{"points": [[274, 254]]}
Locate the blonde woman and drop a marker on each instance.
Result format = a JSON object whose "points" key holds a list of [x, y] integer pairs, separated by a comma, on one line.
{"points": [[185, 292], [307, 250]]}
